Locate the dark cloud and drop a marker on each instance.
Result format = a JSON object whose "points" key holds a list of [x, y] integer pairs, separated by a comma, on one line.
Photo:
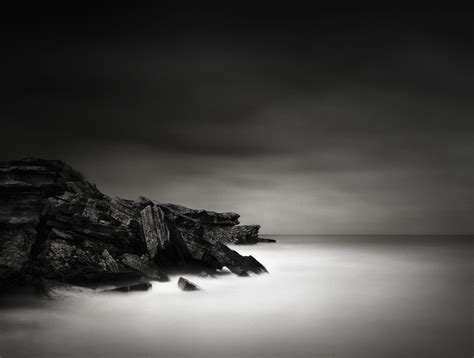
{"points": [[353, 122]]}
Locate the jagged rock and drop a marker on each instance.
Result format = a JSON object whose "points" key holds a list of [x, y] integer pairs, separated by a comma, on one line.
{"points": [[154, 229], [144, 266], [59, 259], [187, 285], [25, 187], [57, 225], [236, 263], [204, 217], [46, 177], [264, 239], [110, 261], [190, 236], [15, 246], [90, 211], [240, 235], [124, 211], [80, 229]]}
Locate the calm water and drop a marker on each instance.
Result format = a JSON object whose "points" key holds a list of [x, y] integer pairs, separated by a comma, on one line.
{"points": [[324, 297]]}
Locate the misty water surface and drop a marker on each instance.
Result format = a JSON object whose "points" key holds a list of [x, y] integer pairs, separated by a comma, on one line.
{"points": [[324, 297]]}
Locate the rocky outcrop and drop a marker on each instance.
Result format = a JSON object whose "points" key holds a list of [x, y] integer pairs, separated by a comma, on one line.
{"points": [[56, 225], [145, 266], [238, 264], [187, 285], [240, 235], [205, 217], [110, 261], [26, 187], [155, 231]]}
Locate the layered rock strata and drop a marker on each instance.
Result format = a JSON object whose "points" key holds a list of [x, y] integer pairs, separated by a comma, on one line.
{"points": [[56, 225]]}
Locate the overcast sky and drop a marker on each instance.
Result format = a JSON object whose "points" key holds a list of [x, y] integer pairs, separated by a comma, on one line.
{"points": [[303, 122]]}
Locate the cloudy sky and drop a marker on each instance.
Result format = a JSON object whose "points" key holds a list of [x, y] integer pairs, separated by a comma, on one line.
{"points": [[301, 121]]}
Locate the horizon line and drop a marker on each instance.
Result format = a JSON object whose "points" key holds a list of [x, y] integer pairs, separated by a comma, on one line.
{"points": [[399, 234]]}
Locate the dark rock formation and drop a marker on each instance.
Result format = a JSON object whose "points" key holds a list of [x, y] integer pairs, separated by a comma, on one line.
{"points": [[25, 189], [236, 263], [155, 231], [205, 217], [56, 225], [110, 261], [240, 235], [145, 266], [187, 285]]}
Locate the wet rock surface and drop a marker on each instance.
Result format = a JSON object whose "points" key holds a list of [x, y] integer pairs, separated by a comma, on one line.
{"points": [[240, 235], [145, 266], [186, 285], [55, 225]]}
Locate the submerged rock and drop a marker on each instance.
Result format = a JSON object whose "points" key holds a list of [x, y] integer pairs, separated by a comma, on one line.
{"points": [[143, 286], [56, 225], [56, 290], [206, 274], [264, 239], [187, 285], [107, 280]]}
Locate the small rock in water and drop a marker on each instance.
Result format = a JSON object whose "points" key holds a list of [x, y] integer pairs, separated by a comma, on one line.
{"points": [[187, 285]]}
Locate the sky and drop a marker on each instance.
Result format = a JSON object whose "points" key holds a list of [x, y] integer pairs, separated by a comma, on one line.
{"points": [[302, 121]]}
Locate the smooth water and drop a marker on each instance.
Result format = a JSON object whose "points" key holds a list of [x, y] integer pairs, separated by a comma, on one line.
{"points": [[325, 296]]}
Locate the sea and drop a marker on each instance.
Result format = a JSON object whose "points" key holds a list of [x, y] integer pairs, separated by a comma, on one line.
{"points": [[324, 297]]}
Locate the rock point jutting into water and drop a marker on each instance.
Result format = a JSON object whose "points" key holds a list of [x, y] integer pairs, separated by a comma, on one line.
{"points": [[57, 229]]}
